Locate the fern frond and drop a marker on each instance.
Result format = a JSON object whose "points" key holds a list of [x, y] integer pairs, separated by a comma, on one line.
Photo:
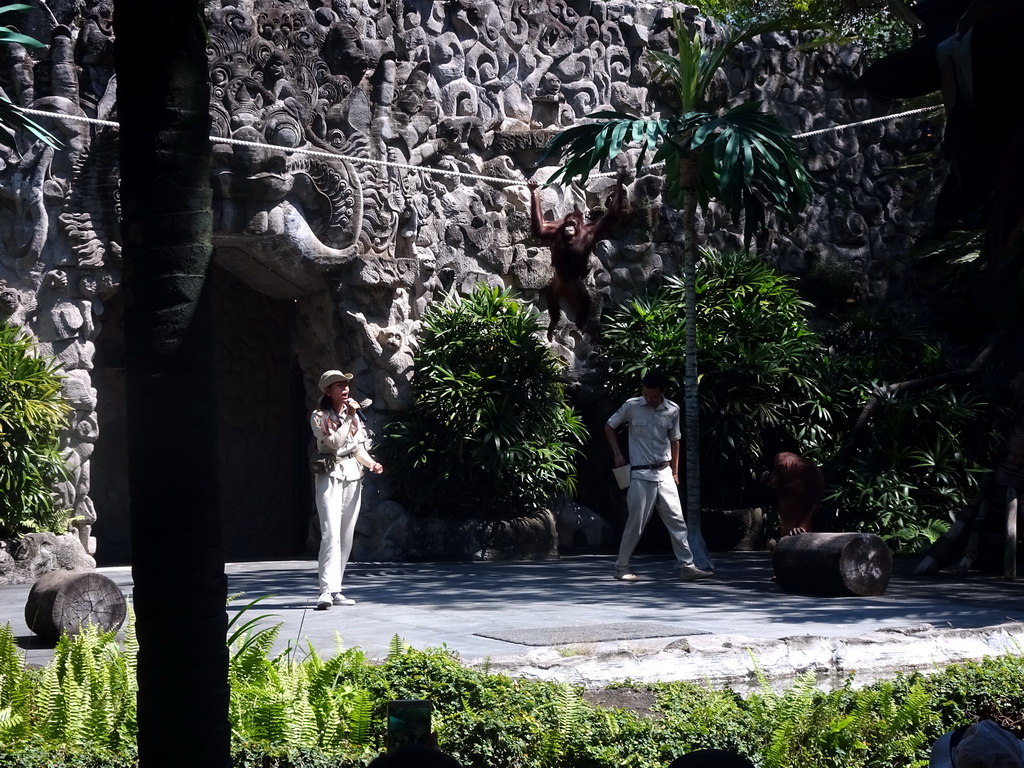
{"points": [[360, 715], [568, 709], [792, 711], [131, 644], [15, 687], [9, 722], [397, 647], [249, 661], [12, 663], [304, 727]]}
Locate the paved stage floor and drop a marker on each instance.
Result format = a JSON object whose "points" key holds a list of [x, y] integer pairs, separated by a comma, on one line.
{"points": [[568, 618]]}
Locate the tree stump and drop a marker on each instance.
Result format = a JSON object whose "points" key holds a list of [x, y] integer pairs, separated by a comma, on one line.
{"points": [[833, 563], [62, 602]]}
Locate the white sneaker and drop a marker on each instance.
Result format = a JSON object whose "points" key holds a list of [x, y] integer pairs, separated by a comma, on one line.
{"points": [[339, 599], [624, 574], [324, 602]]}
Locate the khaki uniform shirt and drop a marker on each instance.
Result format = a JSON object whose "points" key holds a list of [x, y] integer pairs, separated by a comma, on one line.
{"points": [[651, 432], [349, 448]]}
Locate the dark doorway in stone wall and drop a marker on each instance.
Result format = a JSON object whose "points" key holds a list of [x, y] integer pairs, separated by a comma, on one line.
{"points": [[266, 496]]}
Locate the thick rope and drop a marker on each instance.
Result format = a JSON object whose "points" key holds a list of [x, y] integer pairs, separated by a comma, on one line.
{"points": [[454, 173], [869, 121]]}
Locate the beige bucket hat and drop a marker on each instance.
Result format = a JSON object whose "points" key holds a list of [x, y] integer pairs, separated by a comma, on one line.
{"points": [[332, 376]]}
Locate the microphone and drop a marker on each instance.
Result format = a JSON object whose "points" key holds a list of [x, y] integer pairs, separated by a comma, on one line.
{"points": [[362, 404]]}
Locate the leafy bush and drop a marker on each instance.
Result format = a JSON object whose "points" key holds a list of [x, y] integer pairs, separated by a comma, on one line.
{"points": [[990, 689], [32, 416], [297, 710], [88, 693], [925, 451], [882, 725], [490, 433], [79, 710], [285, 705], [871, 24], [769, 382], [912, 472], [758, 362]]}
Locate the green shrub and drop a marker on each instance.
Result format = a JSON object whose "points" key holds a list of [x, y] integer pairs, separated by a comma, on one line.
{"points": [[757, 358], [286, 706], [769, 382], [78, 711], [490, 433], [701, 718], [870, 24], [15, 690], [882, 725], [32, 417], [990, 689], [88, 692], [926, 450]]}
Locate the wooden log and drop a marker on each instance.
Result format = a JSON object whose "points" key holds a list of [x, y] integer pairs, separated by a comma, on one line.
{"points": [[833, 563], [62, 602]]}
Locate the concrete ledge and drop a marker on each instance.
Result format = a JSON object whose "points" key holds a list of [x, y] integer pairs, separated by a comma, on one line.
{"points": [[732, 661]]}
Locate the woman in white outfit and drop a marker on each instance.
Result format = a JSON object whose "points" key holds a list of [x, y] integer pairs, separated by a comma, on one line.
{"points": [[338, 469]]}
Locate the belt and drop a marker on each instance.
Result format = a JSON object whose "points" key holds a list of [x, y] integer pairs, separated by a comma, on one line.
{"points": [[659, 465], [339, 456]]}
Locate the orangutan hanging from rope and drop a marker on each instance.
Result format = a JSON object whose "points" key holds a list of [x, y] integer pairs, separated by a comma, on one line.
{"points": [[571, 240]]}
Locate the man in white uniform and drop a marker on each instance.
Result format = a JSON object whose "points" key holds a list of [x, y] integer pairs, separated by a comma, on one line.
{"points": [[654, 436]]}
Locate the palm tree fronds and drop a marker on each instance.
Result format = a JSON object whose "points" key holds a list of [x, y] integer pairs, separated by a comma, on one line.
{"points": [[11, 117], [681, 71], [693, 68], [585, 147], [749, 162]]}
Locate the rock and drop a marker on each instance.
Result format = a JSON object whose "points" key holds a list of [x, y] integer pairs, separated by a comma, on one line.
{"points": [[390, 533], [23, 561], [531, 537], [428, 88], [726, 530], [382, 535], [577, 521]]}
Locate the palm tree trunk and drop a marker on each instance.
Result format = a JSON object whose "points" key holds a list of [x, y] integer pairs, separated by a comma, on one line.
{"points": [[180, 587], [691, 399]]}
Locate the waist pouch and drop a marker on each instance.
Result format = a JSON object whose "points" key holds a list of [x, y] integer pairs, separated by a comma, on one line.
{"points": [[322, 464]]}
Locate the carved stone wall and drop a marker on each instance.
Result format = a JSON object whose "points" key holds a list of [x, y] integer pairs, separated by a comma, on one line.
{"points": [[322, 112]]}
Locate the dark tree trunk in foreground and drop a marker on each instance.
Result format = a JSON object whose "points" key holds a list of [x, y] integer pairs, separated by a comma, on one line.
{"points": [[177, 548]]}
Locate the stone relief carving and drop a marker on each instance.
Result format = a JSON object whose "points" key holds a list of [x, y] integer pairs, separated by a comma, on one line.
{"points": [[272, 91], [362, 242], [58, 213]]}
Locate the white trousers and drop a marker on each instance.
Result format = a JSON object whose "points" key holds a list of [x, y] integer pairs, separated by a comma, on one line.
{"points": [[641, 499], [337, 503]]}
